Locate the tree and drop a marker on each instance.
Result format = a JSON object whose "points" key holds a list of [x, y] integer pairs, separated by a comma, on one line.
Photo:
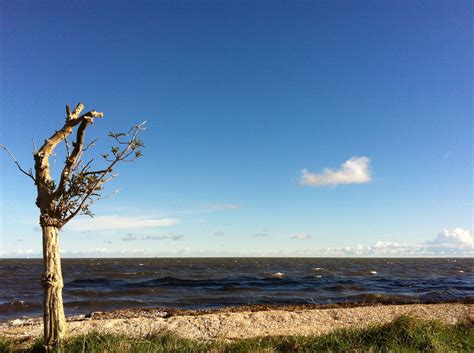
{"points": [[78, 187]]}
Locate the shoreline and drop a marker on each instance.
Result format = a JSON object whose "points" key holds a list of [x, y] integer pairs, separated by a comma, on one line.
{"points": [[175, 311], [243, 322]]}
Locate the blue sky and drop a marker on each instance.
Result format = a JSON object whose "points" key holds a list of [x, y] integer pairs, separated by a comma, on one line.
{"points": [[372, 99]]}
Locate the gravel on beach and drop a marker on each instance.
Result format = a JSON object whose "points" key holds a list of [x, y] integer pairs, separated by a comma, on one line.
{"points": [[238, 323]]}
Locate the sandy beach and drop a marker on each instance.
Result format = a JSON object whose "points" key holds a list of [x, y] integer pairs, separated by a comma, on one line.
{"points": [[238, 323]]}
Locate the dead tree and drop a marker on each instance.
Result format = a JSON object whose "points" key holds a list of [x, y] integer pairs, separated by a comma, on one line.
{"points": [[78, 187]]}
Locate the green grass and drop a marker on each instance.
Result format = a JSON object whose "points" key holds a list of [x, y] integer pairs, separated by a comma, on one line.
{"points": [[405, 334]]}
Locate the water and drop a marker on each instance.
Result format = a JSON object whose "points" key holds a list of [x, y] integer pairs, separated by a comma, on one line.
{"points": [[194, 283]]}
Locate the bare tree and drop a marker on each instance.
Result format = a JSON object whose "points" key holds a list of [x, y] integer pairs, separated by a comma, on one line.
{"points": [[78, 187]]}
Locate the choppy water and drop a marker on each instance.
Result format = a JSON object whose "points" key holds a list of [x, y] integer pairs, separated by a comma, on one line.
{"points": [[106, 284]]}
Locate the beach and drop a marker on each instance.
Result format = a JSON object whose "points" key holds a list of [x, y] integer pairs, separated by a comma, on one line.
{"points": [[209, 303], [240, 323]]}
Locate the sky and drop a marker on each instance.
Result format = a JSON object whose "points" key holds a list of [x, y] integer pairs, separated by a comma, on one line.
{"points": [[274, 128]]}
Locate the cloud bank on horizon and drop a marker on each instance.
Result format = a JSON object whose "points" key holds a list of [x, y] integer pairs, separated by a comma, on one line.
{"points": [[454, 242], [353, 171], [449, 242]]}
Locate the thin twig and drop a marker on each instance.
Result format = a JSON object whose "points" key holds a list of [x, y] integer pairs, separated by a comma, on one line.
{"points": [[100, 180], [29, 174], [90, 144], [66, 142]]}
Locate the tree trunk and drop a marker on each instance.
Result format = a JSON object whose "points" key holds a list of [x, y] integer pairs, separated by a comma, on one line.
{"points": [[53, 311]]}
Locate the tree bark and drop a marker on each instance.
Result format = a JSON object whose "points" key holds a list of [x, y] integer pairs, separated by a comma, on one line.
{"points": [[78, 188], [52, 218], [53, 311]]}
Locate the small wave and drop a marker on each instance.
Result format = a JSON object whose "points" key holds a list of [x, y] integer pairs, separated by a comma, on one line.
{"points": [[17, 306], [278, 275], [86, 306], [92, 282], [356, 273], [170, 281], [383, 298], [343, 288], [236, 289]]}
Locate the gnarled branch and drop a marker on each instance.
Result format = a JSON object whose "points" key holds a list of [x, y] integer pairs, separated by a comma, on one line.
{"points": [[43, 154], [72, 158]]}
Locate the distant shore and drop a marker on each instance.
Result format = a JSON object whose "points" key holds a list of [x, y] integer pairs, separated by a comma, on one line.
{"points": [[243, 322]]}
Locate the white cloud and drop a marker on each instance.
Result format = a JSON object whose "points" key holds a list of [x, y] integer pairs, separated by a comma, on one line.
{"points": [[455, 242], [379, 249], [222, 207], [260, 235], [353, 171], [26, 252], [167, 236], [456, 236], [129, 237], [301, 236], [115, 222]]}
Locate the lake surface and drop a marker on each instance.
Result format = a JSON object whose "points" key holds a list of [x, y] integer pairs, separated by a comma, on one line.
{"points": [[194, 283]]}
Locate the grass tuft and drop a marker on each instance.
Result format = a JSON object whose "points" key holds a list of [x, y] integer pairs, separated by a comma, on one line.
{"points": [[405, 334]]}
